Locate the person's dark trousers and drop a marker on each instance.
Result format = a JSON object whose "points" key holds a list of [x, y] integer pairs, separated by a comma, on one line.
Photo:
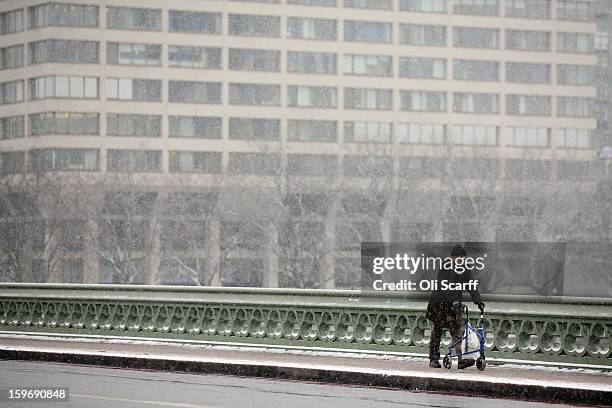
{"points": [[436, 337]]}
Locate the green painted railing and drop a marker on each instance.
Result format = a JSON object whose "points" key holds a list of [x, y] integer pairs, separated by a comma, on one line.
{"points": [[564, 330]]}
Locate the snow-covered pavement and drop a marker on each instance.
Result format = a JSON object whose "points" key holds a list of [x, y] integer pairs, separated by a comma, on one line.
{"points": [[409, 372]]}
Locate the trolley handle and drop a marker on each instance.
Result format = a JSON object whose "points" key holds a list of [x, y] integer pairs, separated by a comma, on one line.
{"points": [[461, 307]]}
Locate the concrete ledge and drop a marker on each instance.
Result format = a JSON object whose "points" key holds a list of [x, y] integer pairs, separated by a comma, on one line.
{"points": [[424, 381]]}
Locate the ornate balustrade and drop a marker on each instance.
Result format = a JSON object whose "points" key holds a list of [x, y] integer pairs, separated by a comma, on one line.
{"points": [[567, 330]]}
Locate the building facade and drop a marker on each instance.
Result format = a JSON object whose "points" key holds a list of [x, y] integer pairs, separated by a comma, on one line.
{"points": [[603, 52], [258, 142]]}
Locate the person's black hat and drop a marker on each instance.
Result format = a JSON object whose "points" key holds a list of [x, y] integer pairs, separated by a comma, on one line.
{"points": [[458, 251]]}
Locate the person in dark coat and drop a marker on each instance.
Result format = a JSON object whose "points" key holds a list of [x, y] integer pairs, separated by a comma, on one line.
{"points": [[442, 314]]}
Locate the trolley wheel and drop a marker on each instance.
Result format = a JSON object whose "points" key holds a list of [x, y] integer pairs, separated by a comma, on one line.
{"points": [[481, 363], [447, 362]]}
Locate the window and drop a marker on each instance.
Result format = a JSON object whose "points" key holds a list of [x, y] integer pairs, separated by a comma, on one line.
{"points": [[194, 57], [570, 138], [42, 160], [11, 57], [424, 101], [302, 62], [370, 4], [143, 19], [366, 165], [528, 105], [528, 73], [134, 161], [62, 15], [579, 43], [244, 59], [245, 272], [526, 136], [419, 167], [476, 7], [601, 41], [579, 75], [412, 232], [575, 107], [367, 132], [367, 98], [349, 235], [59, 86], [303, 164], [424, 6], [528, 40], [125, 203], [475, 37], [124, 124], [133, 54], [575, 10], [527, 169], [421, 133], [72, 234], [254, 94], [195, 162], [11, 92], [72, 269], [574, 170], [254, 26], [430, 35], [369, 65], [329, 3], [194, 92], [191, 204], [254, 129], [12, 162], [482, 103], [538, 9], [367, 31], [475, 70], [194, 22], [64, 123], [65, 51], [11, 127], [127, 234], [11, 22], [312, 130], [311, 28], [253, 163], [469, 168], [198, 127], [128, 89], [476, 135], [425, 68], [311, 96]]}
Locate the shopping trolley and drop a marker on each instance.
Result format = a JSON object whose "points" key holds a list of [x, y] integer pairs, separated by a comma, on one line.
{"points": [[478, 332]]}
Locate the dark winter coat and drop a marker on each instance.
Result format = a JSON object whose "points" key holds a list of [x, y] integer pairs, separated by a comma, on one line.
{"points": [[440, 307]]}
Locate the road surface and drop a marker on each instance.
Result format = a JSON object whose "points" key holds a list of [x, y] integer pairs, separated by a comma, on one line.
{"points": [[94, 387]]}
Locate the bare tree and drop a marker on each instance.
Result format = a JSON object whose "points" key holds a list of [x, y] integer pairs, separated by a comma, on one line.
{"points": [[29, 233], [192, 246], [121, 215], [303, 197]]}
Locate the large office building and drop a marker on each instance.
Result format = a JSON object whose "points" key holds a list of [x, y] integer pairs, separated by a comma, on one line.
{"points": [[603, 72], [259, 142]]}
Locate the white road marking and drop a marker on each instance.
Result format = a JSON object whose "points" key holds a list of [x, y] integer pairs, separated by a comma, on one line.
{"points": [[478, 377], [158, 403]]}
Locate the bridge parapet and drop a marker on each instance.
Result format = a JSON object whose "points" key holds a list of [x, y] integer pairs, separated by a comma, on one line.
{"points": [[555, 329]]}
